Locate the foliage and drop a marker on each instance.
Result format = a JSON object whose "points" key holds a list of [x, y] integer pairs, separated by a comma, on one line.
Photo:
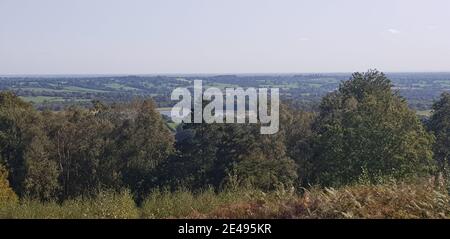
{"points": [[166, 204], [145, 142], [364, 125], [7, 195], [411, 200], [211, 154], [296, 126], [393, 199], [80, 152], [105, 205], [439, 124], [121, 160], [24, 149]]}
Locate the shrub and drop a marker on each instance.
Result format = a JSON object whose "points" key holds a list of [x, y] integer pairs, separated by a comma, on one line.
{"points": [[420, 199], [106, 205], [185, 204], [7, 195], [391, 200]]}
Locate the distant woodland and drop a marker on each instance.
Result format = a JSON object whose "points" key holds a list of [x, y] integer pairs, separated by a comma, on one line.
{"points": [[304, 90]]}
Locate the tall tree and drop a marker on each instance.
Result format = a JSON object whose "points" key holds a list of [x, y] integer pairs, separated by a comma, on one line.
{"points": [[143, 141], [439, 124], [24, 149], [216, 154], [82, 144], [296, 126], [365, 125]]}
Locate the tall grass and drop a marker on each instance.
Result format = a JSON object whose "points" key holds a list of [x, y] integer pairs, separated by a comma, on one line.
{"points": [[422, 199], [105, 205], [185, 204], [428, 199]]}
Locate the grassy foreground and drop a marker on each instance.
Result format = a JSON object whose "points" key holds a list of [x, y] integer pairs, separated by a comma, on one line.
{"points": [[428, 199]]}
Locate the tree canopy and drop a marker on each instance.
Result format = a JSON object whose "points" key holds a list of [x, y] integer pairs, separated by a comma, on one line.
{"points": [[439, 124], [365, 126]]}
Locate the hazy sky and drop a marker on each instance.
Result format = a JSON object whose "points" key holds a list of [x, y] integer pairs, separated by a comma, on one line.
{"points": [[222, 36]]}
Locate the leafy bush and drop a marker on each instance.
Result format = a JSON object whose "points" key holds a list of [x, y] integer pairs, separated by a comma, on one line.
{"points": [[7, 195]]}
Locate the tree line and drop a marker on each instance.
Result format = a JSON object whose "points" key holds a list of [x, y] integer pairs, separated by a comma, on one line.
{"points": [[364, 128]]}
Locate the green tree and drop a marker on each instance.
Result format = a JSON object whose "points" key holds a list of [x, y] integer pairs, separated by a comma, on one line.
{"points": [[296, 126], [41, 180], [82, 144], [217, 154], [108, 147], [24, 149], [439, 124], [364, 125], [144, 142]]}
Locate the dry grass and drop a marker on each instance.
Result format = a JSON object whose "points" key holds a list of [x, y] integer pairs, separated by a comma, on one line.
{"points": [[106, 205], [391, 200], [425, 199]]}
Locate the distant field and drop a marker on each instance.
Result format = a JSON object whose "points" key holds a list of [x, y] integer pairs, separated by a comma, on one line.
{"points": [[419, 89], [117, 86], [65, 89], [81, 89], [222, 85], [50, 99], [425, 113], [42, 99]]}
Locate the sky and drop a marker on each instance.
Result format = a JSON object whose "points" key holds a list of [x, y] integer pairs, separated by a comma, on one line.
{"points": [[223, 36]]}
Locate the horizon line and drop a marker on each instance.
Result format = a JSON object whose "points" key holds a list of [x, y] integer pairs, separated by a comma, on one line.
{"points": [[31, 75]]}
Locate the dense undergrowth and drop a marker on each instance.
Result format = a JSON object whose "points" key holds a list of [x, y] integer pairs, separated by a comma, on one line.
{"points": [[420, 199]]}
